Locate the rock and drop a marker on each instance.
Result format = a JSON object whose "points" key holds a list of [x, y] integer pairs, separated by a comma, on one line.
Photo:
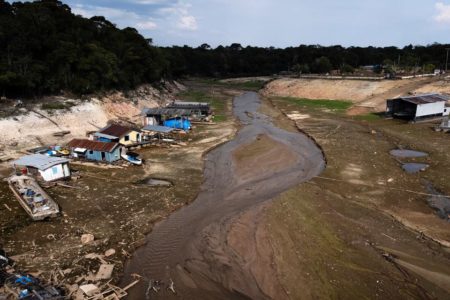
{"points": [[87, 238], [110, 252], [373, 132], [390, 180]]}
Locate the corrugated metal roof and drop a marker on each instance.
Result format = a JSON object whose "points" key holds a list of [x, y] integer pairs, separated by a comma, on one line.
{"points": [[424, 99], [166, 111], [189, 105], [92, 145], [39, 161], [106, 136], [157, 128], [115, 130]]}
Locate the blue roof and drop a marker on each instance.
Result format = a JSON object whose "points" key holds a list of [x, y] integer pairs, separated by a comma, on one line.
{"points": [[157, 128]]}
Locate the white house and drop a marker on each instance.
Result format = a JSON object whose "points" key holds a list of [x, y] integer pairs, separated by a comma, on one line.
{"points": [[48, 167], [418, 107]]}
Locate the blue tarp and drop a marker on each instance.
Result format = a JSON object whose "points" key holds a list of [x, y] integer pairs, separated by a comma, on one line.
{"points": [[178, 123]]}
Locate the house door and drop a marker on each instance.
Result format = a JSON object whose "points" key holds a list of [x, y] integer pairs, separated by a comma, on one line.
{"points": [[103, 156]]}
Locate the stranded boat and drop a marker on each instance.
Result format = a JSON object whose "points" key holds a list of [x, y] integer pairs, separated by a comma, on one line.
{"points": [[132, 158], [36, 202]]}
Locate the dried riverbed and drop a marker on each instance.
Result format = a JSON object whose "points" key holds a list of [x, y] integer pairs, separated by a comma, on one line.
{"points": [[194, 247]]}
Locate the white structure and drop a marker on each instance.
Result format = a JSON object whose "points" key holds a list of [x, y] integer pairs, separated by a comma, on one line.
{"points": [[48, 167], [418, 107]]}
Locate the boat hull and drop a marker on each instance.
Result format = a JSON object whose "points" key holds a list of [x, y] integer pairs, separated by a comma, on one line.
{"points": [[53, 210]]}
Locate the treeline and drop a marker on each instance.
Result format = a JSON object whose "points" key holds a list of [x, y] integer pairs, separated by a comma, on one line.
{"points": [[46, 49], [236, 60]]}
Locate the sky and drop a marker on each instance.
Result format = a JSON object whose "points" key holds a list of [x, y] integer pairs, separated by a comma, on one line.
{"points": [[278, 23]]}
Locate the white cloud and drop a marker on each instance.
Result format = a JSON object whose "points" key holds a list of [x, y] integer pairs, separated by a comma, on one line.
{"points": [[150, 1], [148, 25], [123, 18], [112, 14], [443, 13], [188, 22], [179, 16]]}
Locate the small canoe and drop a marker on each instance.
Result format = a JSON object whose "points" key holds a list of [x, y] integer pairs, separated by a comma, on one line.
{"points": [[34, 200]]}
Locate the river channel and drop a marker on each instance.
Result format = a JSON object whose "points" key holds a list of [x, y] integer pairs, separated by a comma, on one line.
{"points": [[189, 248]]}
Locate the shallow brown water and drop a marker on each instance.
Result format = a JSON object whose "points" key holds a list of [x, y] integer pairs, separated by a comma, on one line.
{"points": [[190, 247]]}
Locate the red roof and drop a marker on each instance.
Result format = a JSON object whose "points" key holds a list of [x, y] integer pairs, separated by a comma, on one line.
{"points": [[115, 130], [92, 145]]}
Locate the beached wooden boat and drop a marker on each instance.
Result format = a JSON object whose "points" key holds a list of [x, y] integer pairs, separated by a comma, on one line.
{"points": [[36, 202]]}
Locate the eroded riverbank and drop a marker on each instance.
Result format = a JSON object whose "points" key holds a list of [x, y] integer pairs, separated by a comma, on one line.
{"points": [[192, 247]]}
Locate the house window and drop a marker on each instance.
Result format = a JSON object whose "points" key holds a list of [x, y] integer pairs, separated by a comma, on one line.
{"points": [[55, 170], [127, 138], [91, 152]]}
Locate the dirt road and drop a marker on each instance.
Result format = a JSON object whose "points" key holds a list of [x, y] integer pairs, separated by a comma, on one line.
{"points": [[193, 246]]}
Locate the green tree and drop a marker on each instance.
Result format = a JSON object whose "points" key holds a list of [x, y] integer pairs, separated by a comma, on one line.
{"points": [[322, 65]]}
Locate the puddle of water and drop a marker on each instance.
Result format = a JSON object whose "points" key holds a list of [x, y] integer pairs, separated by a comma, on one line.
{"points": [[407, 153], [412, 168], [438, 202], [155, 182]]}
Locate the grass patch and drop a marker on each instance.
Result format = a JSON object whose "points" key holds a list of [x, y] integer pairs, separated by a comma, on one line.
{"points": [[218, 105], [219, 118], [57, 105], [251, 85], [336, 105]]}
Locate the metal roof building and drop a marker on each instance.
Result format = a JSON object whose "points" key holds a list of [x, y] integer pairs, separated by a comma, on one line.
{"points": [[115, 130], [39, 161], [48, 168], [417, 107], [92, 145], [166, 112], [94, 150]]}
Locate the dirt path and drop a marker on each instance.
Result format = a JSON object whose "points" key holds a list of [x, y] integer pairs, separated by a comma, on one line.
{"points": [[195, 247]]}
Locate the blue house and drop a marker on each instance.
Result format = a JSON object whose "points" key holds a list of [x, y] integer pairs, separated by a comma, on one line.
{"points": [[94, 150]]}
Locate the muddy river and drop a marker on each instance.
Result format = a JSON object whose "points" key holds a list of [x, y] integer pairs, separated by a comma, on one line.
{"points": [[190, 247]]}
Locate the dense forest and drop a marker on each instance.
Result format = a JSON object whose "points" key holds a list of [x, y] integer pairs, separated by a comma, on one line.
{"points": [[46, 49]]}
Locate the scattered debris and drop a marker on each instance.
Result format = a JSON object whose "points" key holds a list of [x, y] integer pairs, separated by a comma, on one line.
{"points": [[90, 289], [87, 238], [7, 207], [110, 252], [61, 133], [104, 272]]}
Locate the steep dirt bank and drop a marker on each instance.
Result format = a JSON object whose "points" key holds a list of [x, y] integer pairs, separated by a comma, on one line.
{"points": [[371, 95], [363, 228], [35, 126]]}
